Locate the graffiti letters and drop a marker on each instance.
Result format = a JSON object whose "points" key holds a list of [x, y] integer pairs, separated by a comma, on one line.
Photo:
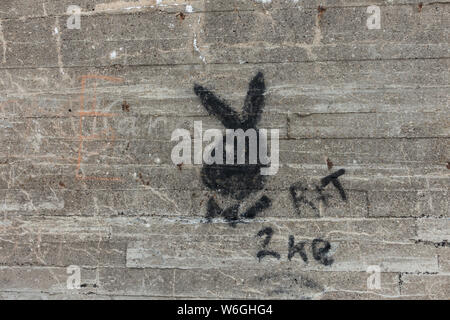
{"points": [[301, 195], [320, 249]]}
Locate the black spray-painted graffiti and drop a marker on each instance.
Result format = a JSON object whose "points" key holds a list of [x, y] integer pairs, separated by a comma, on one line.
{"points": [[268, 232], [235, 180], [320, 248], [299, 192], [240, 180], [231, 214]]}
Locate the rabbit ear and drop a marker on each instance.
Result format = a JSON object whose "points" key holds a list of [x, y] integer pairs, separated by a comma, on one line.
{"points": [[218, 108], [254, 102]]}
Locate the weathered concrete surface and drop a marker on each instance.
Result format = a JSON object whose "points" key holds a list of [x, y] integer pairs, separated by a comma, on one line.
{"points": [[86, 176]]}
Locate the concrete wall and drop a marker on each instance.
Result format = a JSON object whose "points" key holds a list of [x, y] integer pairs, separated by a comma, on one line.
{"points": [[86, 177]]}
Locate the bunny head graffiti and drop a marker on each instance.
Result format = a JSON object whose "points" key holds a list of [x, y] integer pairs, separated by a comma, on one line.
{"points": [[239, 180]]}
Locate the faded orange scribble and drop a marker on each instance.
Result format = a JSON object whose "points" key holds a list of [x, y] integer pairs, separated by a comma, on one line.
{"points": [[92, 113]]}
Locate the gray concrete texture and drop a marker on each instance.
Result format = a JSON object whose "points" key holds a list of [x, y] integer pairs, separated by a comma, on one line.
{"points": [[87, 180]]}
